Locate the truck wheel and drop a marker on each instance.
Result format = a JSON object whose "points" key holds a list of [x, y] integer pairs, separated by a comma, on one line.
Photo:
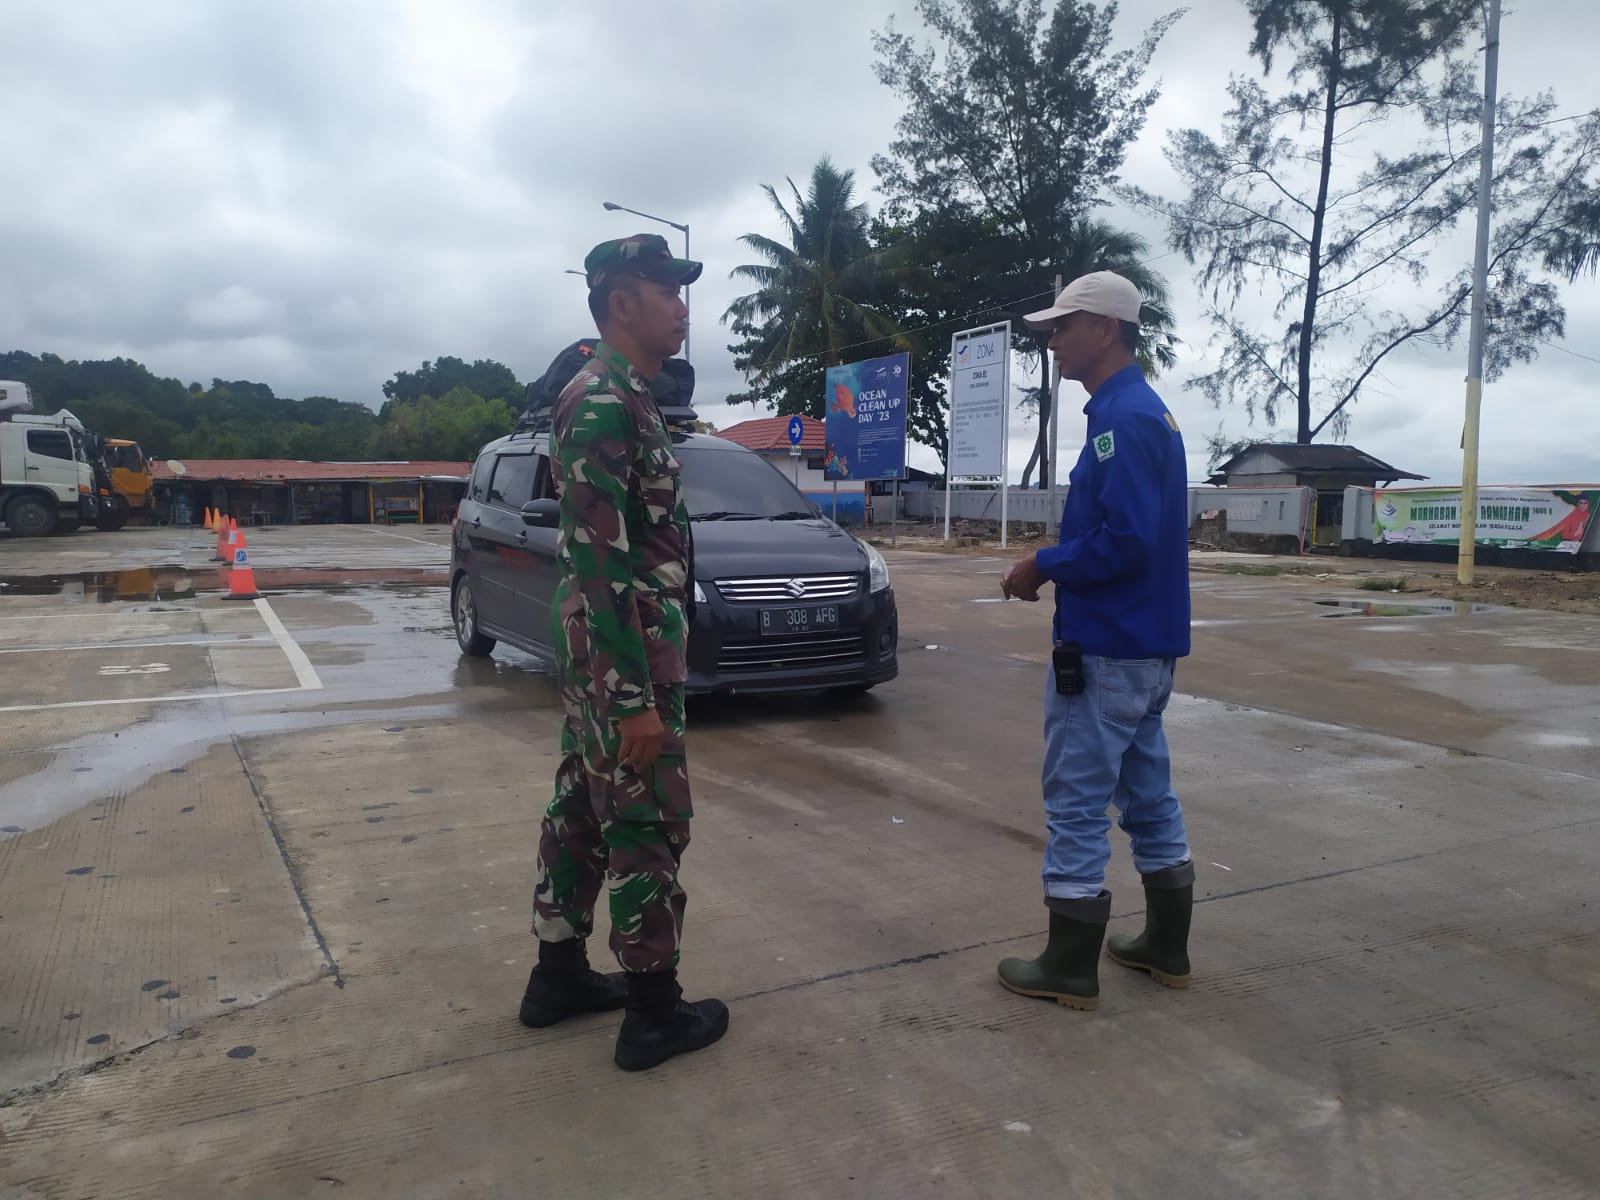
{"points": [[29, 516], [116, 518]]}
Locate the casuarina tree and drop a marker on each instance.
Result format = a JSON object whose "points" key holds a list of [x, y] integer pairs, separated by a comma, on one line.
{"points": [[1341, 189], [1018, 115]]}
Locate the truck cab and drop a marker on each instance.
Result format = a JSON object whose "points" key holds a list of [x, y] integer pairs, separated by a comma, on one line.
{"points": [[47, 481], [130, 475]]}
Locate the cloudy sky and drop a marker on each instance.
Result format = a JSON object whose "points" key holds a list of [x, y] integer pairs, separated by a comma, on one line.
{"points": [[316, 195]]}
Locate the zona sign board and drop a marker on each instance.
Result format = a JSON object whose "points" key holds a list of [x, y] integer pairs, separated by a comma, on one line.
{"points": [[980, 382], [980, 363]]}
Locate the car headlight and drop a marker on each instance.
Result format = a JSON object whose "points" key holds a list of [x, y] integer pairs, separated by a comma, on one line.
{"points": [[877, 569], [699, 593]]}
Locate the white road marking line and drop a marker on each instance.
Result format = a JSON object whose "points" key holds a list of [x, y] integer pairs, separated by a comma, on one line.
{"points": [[190, 697], [404, 537], [215, 641], [78, 616], [304, 672]]}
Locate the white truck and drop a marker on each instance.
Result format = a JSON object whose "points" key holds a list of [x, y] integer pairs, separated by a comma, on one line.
{"points": [[47, 479]]}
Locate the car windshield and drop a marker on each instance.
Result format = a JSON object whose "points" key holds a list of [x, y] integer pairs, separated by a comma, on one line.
{"points": [[723, 486], [127, 457]]}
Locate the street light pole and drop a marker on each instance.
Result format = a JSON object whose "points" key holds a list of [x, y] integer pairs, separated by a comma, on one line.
{"points": [[1052, 379], [681, 228], [1467, 543]]}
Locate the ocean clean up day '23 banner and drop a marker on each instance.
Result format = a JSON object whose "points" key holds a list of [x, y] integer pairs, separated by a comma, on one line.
{"points": [[865, 426]]}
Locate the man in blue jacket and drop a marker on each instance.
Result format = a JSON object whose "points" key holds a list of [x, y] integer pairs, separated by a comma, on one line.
{"points": [[1121, 573]]}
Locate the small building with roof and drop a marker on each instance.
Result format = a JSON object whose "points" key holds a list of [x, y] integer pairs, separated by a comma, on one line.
{"points": [[1326, 468], [293, 492]]}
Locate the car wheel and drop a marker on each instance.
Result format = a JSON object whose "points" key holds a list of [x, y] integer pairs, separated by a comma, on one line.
{"points": [[30, 516], [464, 608], [114, 520]]}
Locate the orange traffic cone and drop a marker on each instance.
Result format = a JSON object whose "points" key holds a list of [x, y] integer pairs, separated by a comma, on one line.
{"points": [[241, 580], [208, 518], [222, 540]]}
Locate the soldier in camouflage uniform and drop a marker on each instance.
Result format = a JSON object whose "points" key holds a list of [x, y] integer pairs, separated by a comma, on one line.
{"points": [[621, 809]]}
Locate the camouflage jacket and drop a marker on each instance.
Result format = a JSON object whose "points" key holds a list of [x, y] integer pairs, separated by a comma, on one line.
{"points": [[624, 538]]}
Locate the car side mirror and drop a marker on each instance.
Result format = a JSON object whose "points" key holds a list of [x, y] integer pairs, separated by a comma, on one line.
{"points": [[542, 514]]}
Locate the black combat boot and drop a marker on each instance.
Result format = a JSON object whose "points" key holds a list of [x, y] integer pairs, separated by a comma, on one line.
{"points": [[563, 986], [1068, 970], [1163, 947], [660, 1023]]}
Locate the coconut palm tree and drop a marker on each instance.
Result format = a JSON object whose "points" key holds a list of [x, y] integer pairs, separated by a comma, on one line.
{"points": [[813, 302], [1092, 245]]}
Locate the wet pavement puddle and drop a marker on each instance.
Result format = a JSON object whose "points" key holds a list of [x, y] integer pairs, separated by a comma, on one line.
{"points": [[1407, 608], [185, 583]]}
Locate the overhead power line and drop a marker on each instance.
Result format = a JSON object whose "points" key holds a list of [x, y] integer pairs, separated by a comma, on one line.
{"points": [[1564, 350], [800, 358]]}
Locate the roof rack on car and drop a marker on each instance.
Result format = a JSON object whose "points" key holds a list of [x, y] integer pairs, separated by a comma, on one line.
{"points": [[672, 390]]}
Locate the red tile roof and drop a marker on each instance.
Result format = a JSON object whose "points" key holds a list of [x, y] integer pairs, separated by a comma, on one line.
{"points": [[288, 470], [772, 433]]}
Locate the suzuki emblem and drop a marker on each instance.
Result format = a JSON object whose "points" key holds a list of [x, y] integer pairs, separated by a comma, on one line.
{"points": [[795, 588]]}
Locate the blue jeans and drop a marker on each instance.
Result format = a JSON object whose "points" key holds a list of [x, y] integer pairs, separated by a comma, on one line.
{"points": [[1106, 746]]}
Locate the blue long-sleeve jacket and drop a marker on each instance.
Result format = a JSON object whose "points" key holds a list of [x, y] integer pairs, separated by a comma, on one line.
{"points": [[1121, 568]]}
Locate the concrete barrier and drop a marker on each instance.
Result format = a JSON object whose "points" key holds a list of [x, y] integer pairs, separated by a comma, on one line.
{"points": [[1025, 505], [1265, 518], [1268, 519]]}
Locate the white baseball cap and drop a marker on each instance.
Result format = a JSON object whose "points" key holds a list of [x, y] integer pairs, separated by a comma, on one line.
{"points": [[1103, 293]]}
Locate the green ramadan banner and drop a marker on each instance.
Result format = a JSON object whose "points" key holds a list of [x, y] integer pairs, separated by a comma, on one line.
{"points": [[1513, 518]]}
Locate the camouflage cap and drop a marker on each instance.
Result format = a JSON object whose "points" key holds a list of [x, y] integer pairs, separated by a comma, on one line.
{"points": [[645, 255]]}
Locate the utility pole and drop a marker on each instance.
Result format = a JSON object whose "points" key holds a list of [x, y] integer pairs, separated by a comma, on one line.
{"points": [[1468, 545], [1052, 381]]}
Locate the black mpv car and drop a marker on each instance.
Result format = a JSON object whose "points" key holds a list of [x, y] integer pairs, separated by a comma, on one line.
{"points": [[785, 600]]}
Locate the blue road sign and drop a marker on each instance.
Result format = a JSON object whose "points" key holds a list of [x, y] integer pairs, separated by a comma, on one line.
{"points": [[797, 431]]}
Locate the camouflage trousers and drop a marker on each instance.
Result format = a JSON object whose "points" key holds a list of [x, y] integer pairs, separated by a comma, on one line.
{"points": [[624, 827]]}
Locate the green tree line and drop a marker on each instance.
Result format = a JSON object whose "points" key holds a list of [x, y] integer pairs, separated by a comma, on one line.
{"points": [[444, 410]]}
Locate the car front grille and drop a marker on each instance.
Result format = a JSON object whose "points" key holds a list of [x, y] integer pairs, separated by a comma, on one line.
{"points": [[788, 589], [773, 654]]}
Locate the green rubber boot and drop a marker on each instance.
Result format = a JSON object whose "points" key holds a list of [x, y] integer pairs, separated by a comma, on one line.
{"points": [[1068, 970], [1163, 948]]}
